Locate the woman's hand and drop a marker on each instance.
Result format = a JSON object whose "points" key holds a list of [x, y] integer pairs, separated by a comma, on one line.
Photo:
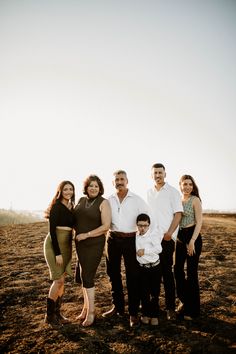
{"points": [[59, 260], [191, 248]]}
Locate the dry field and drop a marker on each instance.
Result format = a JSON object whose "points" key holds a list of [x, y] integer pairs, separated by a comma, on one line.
{"points": [[25, 283]]}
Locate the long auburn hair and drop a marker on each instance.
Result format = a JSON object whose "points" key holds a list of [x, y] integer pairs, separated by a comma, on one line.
{"points": [[58, 196], [195, 190]]}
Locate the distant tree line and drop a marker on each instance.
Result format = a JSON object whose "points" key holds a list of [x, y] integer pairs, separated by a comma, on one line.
{"points": [[9, 217]]}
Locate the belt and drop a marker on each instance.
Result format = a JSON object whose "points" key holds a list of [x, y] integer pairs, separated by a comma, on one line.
{"points": [[187, 227], [123, 234], [150, 265]]}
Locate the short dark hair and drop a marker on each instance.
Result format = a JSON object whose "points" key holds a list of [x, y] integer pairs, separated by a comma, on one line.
{"points": [[158, 165], [87, 182], [143, 217]]}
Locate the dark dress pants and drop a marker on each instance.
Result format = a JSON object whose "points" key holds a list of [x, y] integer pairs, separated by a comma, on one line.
{"points": [[166, 258], [118, 247], [188, 286], [150, 280]]}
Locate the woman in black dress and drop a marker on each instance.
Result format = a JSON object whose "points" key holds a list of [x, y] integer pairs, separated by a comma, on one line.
{"points": [[92, 221]]}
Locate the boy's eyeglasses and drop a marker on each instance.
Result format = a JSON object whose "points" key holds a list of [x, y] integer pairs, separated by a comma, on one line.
{"points": [[143, 225]]}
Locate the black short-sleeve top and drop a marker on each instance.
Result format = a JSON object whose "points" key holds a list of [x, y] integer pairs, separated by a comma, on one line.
{"points": [[87, 217], [60, 215]]}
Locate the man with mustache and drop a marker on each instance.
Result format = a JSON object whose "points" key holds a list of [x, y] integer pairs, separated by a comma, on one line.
{"points": [[125, 206], [166, 207]]}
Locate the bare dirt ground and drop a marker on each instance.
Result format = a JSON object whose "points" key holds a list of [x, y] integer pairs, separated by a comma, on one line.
{"points": [[25, 283]]}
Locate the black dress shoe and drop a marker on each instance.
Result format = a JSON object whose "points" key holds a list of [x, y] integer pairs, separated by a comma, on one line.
{"points": [[134, 321], [170, 315], [112, 312], [180, 308]]}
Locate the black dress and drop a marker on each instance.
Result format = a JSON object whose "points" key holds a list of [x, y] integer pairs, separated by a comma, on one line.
{"points": [[89, 251]]}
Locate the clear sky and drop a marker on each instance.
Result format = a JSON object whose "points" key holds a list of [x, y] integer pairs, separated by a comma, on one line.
{"points": [[97, 85]]}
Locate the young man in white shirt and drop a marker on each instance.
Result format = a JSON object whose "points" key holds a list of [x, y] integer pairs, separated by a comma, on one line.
{"points": [[166, 207], [148, 248], [125, 207]]}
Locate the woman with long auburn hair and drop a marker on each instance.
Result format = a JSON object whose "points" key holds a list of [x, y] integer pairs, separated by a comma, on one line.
{"points": [[58, 247], [188, 249]]}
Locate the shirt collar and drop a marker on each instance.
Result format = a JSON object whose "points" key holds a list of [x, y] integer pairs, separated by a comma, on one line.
{"points": [[146, 233], [165, 186], [129, 194]]}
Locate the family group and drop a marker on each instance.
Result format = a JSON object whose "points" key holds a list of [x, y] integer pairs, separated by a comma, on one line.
{"points": [[159, 241]]}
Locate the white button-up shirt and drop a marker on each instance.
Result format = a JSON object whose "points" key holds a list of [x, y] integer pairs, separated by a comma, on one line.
{"points": [[151, 243], [124, 214], [164, 204]]}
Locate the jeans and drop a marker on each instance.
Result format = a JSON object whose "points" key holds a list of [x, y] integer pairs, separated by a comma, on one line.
{"points": [[118, 247], [188, 287]]}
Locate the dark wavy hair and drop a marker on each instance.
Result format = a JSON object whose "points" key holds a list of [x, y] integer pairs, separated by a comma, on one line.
{"points": [[195, 190], [58, 196], [92, 178]]}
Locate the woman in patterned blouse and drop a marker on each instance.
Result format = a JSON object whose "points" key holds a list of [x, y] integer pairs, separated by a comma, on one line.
{"points": [[188, 249]]}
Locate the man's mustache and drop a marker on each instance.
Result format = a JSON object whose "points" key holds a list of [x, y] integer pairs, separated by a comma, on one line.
{"points": [[119, 185]]}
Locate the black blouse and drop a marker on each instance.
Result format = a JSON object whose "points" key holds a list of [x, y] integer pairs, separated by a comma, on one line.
{"points": [[60, 215]]}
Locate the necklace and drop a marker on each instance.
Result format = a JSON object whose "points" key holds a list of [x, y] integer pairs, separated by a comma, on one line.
{"points": [[89, 203]]}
